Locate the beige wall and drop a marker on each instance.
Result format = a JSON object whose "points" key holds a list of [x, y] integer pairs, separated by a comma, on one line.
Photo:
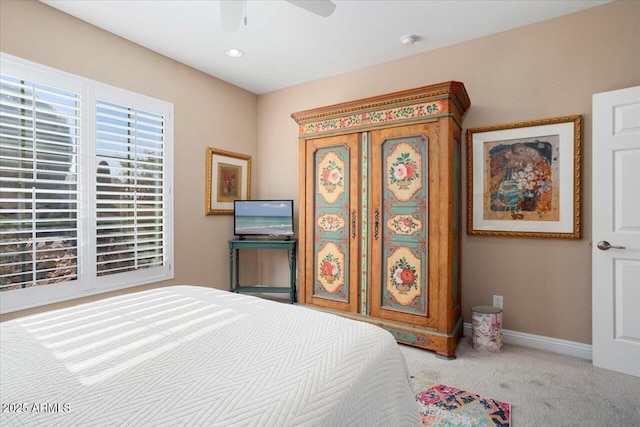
{"points": [[544, 70], [207, 112]]}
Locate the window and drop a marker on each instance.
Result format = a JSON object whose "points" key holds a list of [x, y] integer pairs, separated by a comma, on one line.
{"points": [[40, 128], [129, 192], [85, 181]]}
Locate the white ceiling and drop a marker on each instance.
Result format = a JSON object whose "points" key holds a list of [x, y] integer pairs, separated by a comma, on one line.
{"points": [[286, 46]]}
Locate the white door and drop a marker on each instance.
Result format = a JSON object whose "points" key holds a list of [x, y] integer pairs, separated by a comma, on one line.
{"points": [[616, 230]]}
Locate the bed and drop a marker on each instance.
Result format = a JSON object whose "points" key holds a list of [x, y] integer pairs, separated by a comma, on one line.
{"points": [[196, 356]]}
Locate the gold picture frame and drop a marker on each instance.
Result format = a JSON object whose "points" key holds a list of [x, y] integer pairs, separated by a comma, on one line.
{"points": [[228, 178], [524, 179]]}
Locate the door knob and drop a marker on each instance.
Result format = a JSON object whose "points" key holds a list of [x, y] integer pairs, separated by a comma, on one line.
{"points": [[604, 245]]}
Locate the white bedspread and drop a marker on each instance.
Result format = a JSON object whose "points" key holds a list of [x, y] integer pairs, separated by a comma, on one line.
{"points": [[197, 356]]}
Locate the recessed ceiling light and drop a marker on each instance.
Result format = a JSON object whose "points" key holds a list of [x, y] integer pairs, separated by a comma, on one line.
{"points": [[408, 40], [234, 53]]}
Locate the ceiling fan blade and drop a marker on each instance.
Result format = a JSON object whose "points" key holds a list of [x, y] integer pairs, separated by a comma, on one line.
{"points": [[323, 8], [231, 12]]}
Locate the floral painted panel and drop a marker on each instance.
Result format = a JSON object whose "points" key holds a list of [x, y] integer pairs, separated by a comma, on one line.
{"points": [[376, 117], [331, 182], [331, 222], [404, 171], [364, 294], [404, 224], [330, 269], [404, 215], [404, 274], [331, 239]]}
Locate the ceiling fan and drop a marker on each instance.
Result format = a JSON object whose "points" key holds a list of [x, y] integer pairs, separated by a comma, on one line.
{"points": [[232, 12]]}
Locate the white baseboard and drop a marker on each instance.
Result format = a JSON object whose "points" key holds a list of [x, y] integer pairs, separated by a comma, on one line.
{"points": [[555, 345]]}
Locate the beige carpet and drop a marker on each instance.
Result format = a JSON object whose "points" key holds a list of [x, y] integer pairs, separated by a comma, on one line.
{"points": [[543, 388]]}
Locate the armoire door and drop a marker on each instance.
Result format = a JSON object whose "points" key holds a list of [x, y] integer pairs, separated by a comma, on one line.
{"points": [[404, 286], [331, 215]]}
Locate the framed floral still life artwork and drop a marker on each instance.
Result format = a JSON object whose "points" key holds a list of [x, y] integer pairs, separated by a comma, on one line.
{"points": [[228, 179], [524, 179]]}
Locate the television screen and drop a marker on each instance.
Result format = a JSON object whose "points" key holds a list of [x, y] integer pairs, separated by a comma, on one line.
{"points": [[263, 217]]}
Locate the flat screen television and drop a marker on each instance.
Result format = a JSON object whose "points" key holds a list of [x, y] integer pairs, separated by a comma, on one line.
{"points": [[271, 218]]}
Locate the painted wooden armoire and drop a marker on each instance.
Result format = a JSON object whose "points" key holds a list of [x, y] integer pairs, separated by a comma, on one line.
{"points": [[379, 223]]}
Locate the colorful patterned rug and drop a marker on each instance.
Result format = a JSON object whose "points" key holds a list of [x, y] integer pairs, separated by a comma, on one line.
{"points": [[441, 405]]}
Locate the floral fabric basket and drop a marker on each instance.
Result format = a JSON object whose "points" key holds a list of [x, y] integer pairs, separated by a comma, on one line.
{"points": [[486, 327]]}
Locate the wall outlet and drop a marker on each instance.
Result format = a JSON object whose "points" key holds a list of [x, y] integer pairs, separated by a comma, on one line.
{"points": [[497, 301]]}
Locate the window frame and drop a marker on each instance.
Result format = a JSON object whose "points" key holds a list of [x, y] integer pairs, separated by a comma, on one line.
{"points": [[88, 283]]}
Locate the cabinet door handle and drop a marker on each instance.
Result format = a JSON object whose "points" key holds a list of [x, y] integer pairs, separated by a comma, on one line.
{"points": [[376, 224], [353, 224]]}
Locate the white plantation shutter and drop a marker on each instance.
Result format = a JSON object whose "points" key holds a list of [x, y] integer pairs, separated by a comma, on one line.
{"points": [[130, 201], [86, 171], [40, 129]]}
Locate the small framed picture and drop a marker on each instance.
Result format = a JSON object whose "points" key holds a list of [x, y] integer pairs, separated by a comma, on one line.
{"points": [[524, 179], [228, 178]]}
